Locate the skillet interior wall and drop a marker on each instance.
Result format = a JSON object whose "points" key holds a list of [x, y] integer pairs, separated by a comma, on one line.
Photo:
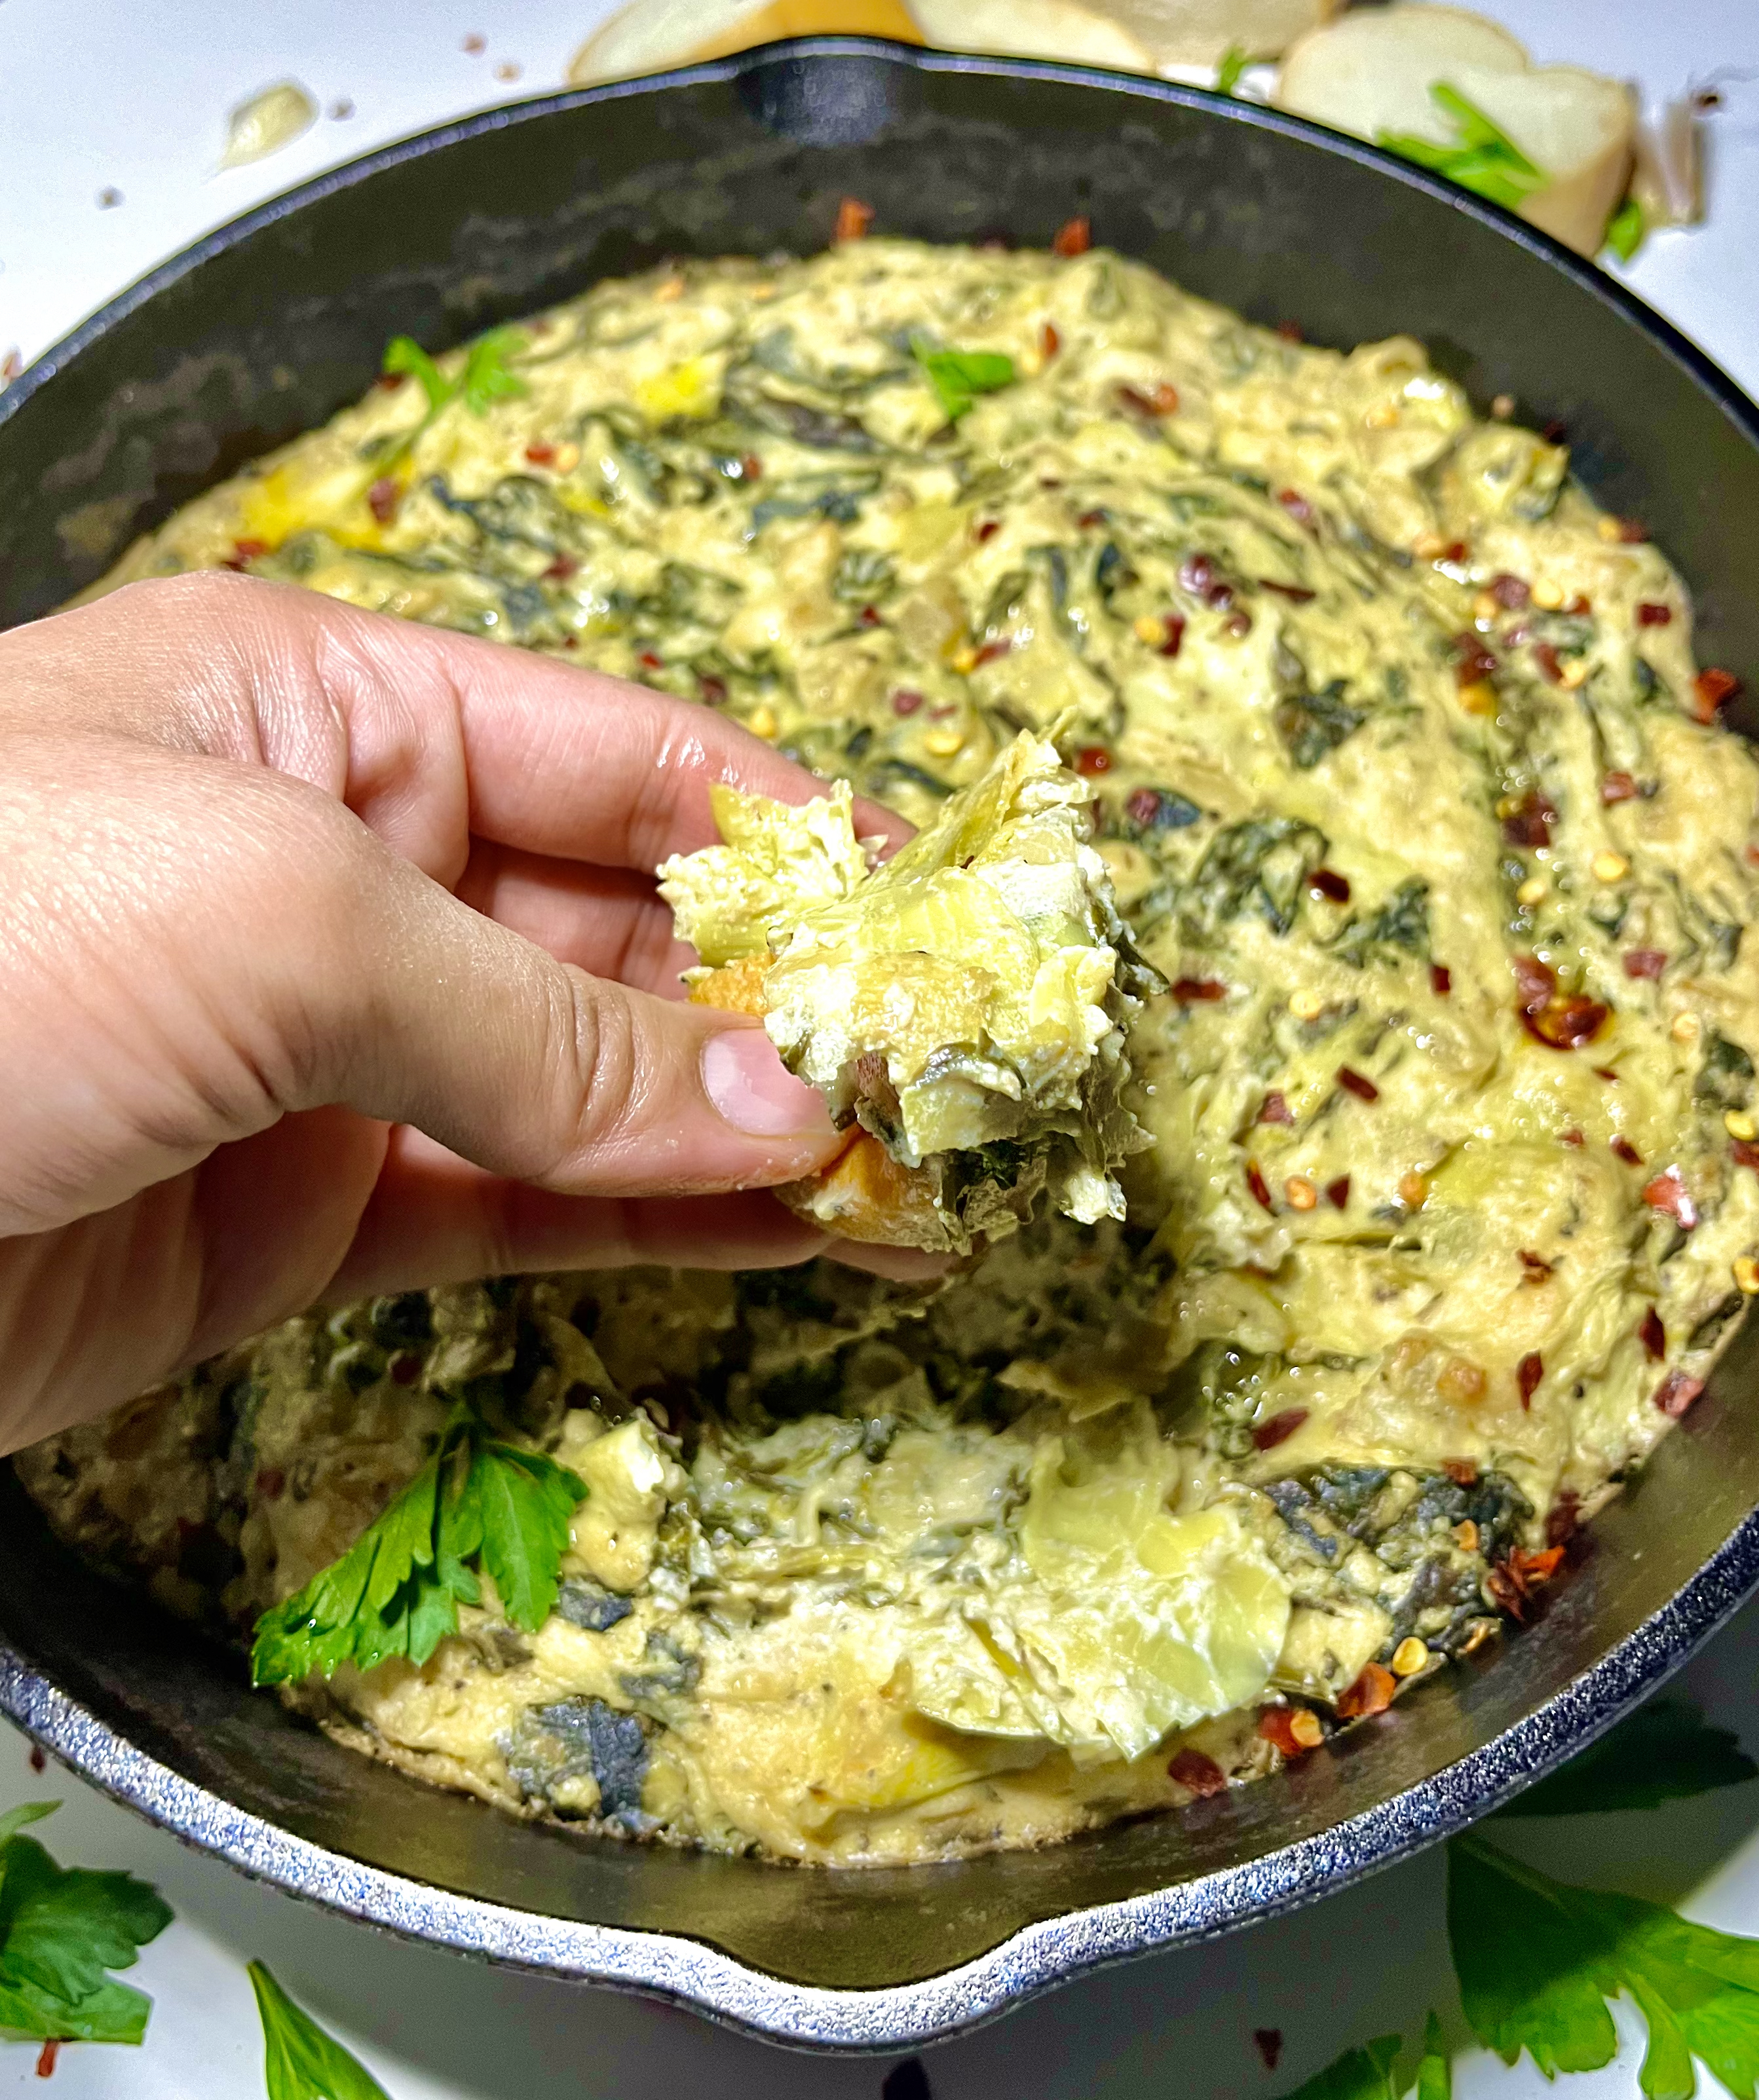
{"points": [[271, 333]]}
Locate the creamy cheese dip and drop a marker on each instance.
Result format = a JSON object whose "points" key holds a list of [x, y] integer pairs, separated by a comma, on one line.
{"points": [[1408, 788]]}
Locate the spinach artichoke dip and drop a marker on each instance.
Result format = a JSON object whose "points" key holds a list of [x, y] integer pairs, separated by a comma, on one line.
{"points": [[1435, 866]]}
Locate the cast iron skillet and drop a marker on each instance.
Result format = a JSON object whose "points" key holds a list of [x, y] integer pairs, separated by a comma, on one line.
{"points": [[262, 331]]}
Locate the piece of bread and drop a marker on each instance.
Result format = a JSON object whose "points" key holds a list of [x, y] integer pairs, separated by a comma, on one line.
{"points": [[1372, 71], [652, 36], [1202, 32], [1034, 29]]}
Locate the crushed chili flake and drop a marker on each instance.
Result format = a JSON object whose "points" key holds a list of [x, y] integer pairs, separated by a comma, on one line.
{"points": [[39, 1762], [1075, 237], [1441, 980], [1255, 1181], [986, 528], [540, 455], [405, 1369], [1513, 1582], [1268, 2043], [1290, 331], [1677, 1391], [713, 690], [1276, 1726], [870, 616], [1295, 593], [1623, 1148], [1297, 507], [46, 2058], [1089, 518], [1535, 1267], [1632, 531], [1463, 1472], [1645, 962], [1276, 1108], [1545, 654], [244, 551], [1473, 660], [1197, 574], [382, 498], [1529, 823], [1278, 1429], [1574, 1137], [1577, 606], [1049, 343], [853, 219], [905, 704], [1371, 1693], [1512, 594], [1527, 1374], [1712, 688], [1535, 982], [561, 569], [1562, 1518], [1198, 1774], [1651, 615], [390, 380], [649, 662], [993, 651], [1562, 1020], [1193, 991], [1093, 758], [1239, 625], [1668, 1193], [1337, 1192], [1355, 1082], [1173, 631], [1617, 787], [1744, 1153], [1160, 399], [1327, 882], [1653, 1335], [270, 1481]]}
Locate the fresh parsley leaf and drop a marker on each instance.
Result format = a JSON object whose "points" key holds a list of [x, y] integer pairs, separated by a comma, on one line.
{"points": [[1662, 1753], [1235, 61], [476, 1504], [1359, 2073], [61, 1929], [1483, 159], [486, 377], [959, 376], [1626, 228], [1537, 1960], [405, 355], [1435, 2077], [300, 2061]]}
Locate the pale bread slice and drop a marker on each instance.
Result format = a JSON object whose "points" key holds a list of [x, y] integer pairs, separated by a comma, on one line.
{"points": [[1373, 72], [652, 36], [1033, 29], [1193, 34]]}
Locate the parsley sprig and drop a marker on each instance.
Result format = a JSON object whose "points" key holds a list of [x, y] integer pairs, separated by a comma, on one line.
{"points": [[1483, 158], [61, 1930], [300, 2061], [477, 1505], [484, 379], [959, 376]]}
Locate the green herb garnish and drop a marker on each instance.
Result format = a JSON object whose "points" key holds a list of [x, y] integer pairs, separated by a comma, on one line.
{"points": [[1537, 1961], [61, 1928], [959, 376], [1661, 1753], [1483, 159], [300, 2061], [1626, 228], [1235, 61], [475, 1504], [485, 378]]}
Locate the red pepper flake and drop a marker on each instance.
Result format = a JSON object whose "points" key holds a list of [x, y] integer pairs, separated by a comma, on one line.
{"points": [[1353, 1082], [905, 703], [1562, 1021], [46, 2056], [713, 691], [1645, 962], [853, 219], [1160, 399], [1276, 1726], [1290, 331], [1093, 758], [1298, 508], [1441, 980], [1535, 1267], [1197, 574], [1074, 238], [649, 662], [1512, 1582], [271, 1480], [1463, 1472], [993, 651], [1562, 1518], [1337, 1192], [1653, 1335], [1173, 631], [870, 616], [1712, 688], [1623, 1148], [561, 569], [1268, 2043], [1632, 531], [1651, 615], [1549, 662], [1278, 1429], [1536, 981], [39, 1762], [244, 551], [1194, 992], [1142, 805], [1239, 625], [1472, 660], [1744, 1153], [1276, 1108], [1255, 1181], [1371, 1693], [1293, 592], [1668, 1193], [383, 499], [1088, 518], [540, 455], [1512, 594], [1196, 1773], [1529, 823], [1327, 882], [1617, 787], [1676, 1393], [1575, 1137], [1049, 343], [406, 1369], [986, 528], [390, 380], [1527, 1374], [1577, 606]]}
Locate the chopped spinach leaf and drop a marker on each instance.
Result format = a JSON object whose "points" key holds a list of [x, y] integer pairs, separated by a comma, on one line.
{"points": [[1261, 865], [1399, 927], [1313, 724]]}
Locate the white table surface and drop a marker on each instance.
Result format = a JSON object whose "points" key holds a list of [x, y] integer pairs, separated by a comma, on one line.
{"points": [[102, 96]]}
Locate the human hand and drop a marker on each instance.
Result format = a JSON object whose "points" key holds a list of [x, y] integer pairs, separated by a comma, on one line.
{"points": [[331, 964]]}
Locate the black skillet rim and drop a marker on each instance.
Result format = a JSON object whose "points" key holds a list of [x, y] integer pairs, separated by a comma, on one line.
{"points": [[1053, 1951]]}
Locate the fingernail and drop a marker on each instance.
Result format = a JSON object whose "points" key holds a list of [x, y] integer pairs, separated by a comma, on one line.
{"points": [[755, 1091]]}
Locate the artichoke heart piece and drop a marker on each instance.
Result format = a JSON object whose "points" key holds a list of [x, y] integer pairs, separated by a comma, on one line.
{"points": [[962, 1008]]}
